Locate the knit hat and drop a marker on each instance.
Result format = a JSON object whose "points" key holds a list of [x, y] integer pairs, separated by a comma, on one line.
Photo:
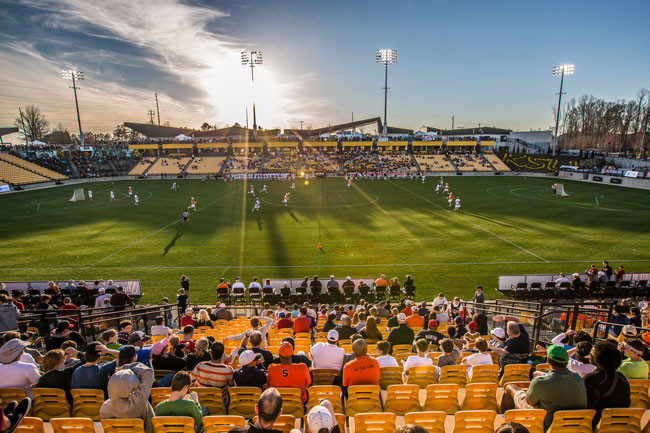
{"points": [[471, 326], [285, 350], [159, 346]]}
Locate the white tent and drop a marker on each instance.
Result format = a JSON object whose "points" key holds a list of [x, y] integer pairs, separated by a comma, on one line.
{"points": [[324, 136], [37, 142], [182, 137]]}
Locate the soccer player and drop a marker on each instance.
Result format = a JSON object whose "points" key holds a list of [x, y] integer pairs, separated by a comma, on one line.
{"points": [[457, 204], [293, 186], [424, 177], [438, 189], [137, 200], [264, 190], [90, 194], [256, 208], [130, 192], [192, 204], [286, 199], [349, 183], [174, 186], [112, 196], [186, 217], [451, 198], [446, 188], [251, 190]]}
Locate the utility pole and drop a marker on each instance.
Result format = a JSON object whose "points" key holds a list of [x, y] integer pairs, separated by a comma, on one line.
{"points": [[150, 113], [452, 122], [301, 125], [561, 71], [157, 108], [23, 122]]}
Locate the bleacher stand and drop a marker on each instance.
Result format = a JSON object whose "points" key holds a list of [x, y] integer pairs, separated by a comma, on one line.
{"points": [[434, 163], [170, 165]]}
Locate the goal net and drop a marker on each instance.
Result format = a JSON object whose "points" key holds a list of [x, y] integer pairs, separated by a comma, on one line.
{"points": [[560, 190], [78, 195]]}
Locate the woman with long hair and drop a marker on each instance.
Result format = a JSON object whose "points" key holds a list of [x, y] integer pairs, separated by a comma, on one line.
{"points": [[202, 354], [203, 319], [371, 331]]}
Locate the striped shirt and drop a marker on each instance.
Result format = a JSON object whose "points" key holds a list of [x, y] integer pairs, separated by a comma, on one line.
{"points": [[210, 373]]}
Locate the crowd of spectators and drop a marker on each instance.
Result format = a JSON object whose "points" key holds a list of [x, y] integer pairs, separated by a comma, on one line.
{"points": [[396, 163], [317, 161], [250, 163], [359, 161]]}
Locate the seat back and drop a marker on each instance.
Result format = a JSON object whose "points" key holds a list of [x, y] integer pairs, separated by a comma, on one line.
{"points": [[432, 422], [515, 373], [243, 400], [158, 395], [480, 396], [212, 398], [485, 374], [454, 374], [173, 424], [572, 421], [621, 420], [87, 402], [639, 393], [292, 402], [159, 374], [283, 423], [478, 421], [442, 397], [532, 419], [402, 348], [363, 398], [401, 399], [390, 376], [31, 425], [222, 423], [125, 425], [72, 425], [421, 376], [544, 367], [8, 395], [324, 376], [329, 392], [49, 403], [374, 422]]}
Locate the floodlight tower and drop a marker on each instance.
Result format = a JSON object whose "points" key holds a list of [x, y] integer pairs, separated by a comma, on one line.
{"points": [[252, 58], [75, 75], [386, 57], [561, 71]]}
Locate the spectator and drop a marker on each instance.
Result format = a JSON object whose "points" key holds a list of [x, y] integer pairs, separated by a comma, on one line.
{"points": [[176, 348], [43, 303], [109, 339], [187, 319], [201, 354], [137, 340], [408, 309], [381, 282], [361, 321], [181, 402], [581, 364], [322, 419], [329, 324], [161, 360], [333, 286], [315, 285], [60, 334], [370, 331], [441, 301], [633, 367], [606, 387], [607, 270], [415, 320], [562, 279], [128, 391], [619, 318], [214, 373], [450, 353], [328, 355], [481, 323], [223, 313], [284, 322], [479, 296], [238, 289], [384, 359], [256, 346], [402, 334], [125, 328], [410, 428], [345, 330], [559, 389], [288, 374], [620, 273], [471, 335], [13, 415], [90, 375], [635, 319], [255, 324], [159, 329], [203, 320], [498, 338], [251, 372], [181, 300], [460, 328], [268, 409], [362, 370], [304, 323], [188, 339], [57, 375], [255, 285], [185, 283], [480, 358], [296, 358], [430, 334], [420, 359], [441, 316], [16, 373], [392, 321], [120, 299], [511, 427], [518, 341], [348, 286]]}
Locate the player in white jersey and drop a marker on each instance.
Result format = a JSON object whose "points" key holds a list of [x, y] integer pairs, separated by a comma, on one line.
{"points": [[174, 186], [112, 196], [130, 192], [192, 204], [256, 208], [306, 176], [137, 199], [446, 188], [264, 190], [438, 189], [424, 177], [349, 183], [286, 199], [186, 217], [451, 198], [457, 204], [90, 194], [293, 186], [251, 190]]}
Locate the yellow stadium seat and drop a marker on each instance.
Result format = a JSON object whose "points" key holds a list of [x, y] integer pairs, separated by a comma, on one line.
{"points": [[432, 422], [639, 393], [340, 419], [485, 374], [422, 376], [572, 421], [480, 396], [157, 338], [374, 422], [243, 400], [72, 425], [390, 376], [479, 421], [532, 419], [7, 395], [515, 373], [158, 395], [545, 367], [222, 423], [284, 423], [402, 348], [173, 424], [329, 392], [87, 402], [621, 420], [453, 374], [212, 398], [401, 399], [32, 425], [49, 403], [362, 399], [324, 376], [125, 425], [159, 374], [442, 397], [292, 402]]}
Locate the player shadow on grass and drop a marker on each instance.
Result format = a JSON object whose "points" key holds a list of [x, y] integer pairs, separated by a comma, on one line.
{"points": [[171, 244], [259, 223], [294, 217]]}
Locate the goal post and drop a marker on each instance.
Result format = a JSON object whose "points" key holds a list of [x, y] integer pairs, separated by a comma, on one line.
{"points": [[78, 195], [560, 190]]}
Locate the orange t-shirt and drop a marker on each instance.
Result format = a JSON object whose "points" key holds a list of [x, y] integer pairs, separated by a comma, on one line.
{"points": [[361, 371], [380, 282], [291, 376], [414, 320]]}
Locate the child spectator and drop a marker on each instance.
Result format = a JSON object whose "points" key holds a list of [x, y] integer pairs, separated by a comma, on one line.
{"points": [[181, 402], [125, 330]]}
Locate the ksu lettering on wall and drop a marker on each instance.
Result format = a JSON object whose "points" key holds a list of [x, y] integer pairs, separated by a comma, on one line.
{"points": [[537, 163]]}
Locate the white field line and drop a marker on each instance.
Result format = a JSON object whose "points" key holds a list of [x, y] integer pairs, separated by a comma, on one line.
{"points": [[157, 231], [472, 222], [378, 265]]}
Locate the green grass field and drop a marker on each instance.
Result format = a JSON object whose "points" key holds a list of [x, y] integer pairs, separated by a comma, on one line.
{"points": [[507, 225]]}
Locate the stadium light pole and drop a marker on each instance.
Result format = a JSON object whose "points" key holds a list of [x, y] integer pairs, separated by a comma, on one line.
{"points": [[75, 75], [252, 58], [561, 70], [386, 57]]}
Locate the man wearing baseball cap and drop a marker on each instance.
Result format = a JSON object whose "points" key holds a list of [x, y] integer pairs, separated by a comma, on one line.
{"points": [[321, 418], [559, 389], [431, 334], [137, 339], [288, 374], [251, 372], [328, 355], [402, 334]]}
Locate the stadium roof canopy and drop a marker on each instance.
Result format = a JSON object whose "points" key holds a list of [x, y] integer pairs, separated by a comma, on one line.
{"points": [[483, 130], [8, 130], [349, 125], [157, 131]]}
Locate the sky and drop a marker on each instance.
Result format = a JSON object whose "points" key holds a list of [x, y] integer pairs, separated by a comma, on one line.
{"points": [[485, 63]]}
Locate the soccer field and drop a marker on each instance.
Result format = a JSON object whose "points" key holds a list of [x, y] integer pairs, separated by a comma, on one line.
{"points": [[506, 225]]}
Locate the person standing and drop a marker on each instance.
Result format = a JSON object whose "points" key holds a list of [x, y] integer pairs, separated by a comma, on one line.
{"points": [[185, 284]]}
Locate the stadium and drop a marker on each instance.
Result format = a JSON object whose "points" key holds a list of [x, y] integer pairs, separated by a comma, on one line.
{"points": [[326, 275]]}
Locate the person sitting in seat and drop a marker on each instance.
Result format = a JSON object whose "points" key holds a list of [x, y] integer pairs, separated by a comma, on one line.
{"points": [[181, 402], [415, 320], [284, 322], [348, 286], [304, 323], [419, 360], [345, 328], [518, 341], [223, 313], [187, 319], [288, 374], [384, 359], [296, 358], [91, 375], [252, 371], [450, 353], [214, 373], [203, 319], [268, 409], [633, 367], [431, 334], [362, 370], [161, 358], [321, 419], [328, 355], [402, 334], [371, 331], [159, 329], [56, 374], [16, 373], [330, 324], [333, 286], [471, 335], [480, 358]]}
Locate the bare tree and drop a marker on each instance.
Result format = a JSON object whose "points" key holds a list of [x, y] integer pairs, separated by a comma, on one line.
{"points": [[35, 124]]}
